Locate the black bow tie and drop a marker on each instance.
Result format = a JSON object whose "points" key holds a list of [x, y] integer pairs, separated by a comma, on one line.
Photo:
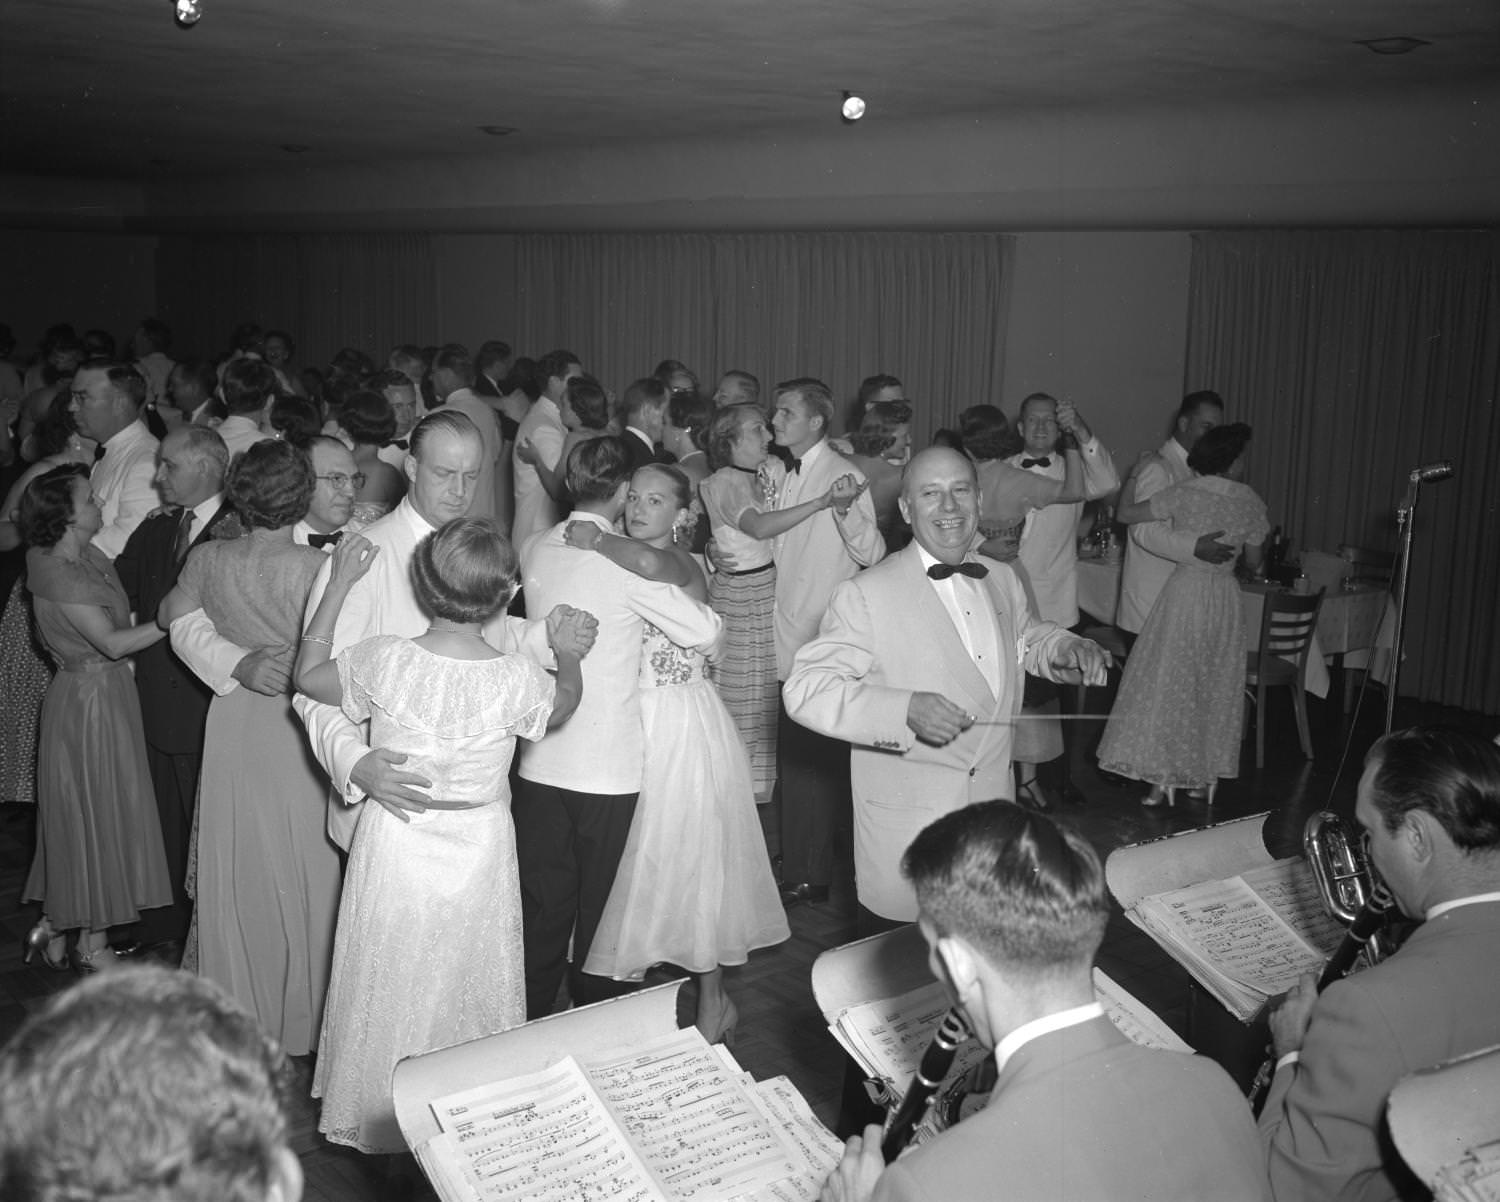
{"points": [[1042, 462], [98, 452], [796, 466], [324, 540], [941, 571]]}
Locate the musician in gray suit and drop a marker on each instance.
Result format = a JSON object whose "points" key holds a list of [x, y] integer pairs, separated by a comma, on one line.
{"points": [[1429, 802], [1013, 908]]}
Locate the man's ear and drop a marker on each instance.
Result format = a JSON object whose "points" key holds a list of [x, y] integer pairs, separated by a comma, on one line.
{"points": [[959, 965], [904, 508], [1421, 830], [286, 1177]]}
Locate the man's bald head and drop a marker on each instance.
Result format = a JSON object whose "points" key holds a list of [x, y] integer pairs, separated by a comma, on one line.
{"points": [[940, 498]]}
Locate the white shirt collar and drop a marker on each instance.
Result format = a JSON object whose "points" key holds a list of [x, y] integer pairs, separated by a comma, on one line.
{"points": [[814, 452], [126, 435], [642, 435], [204, 511], [1045, 1025], [419, 525], [1476, 899], [584, 515]]}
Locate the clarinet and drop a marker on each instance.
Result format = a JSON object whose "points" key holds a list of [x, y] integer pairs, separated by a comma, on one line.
{"points": [[1366, 925], [952, 1032]]}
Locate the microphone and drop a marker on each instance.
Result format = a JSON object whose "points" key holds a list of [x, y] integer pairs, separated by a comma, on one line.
{"points": [[1428, 473]]}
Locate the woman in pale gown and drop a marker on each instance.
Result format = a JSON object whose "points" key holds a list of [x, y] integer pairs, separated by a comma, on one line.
{"points": [[429, 937], [99, 858], [1176, 719], [266, 888], [694, 886], [739, 499]]}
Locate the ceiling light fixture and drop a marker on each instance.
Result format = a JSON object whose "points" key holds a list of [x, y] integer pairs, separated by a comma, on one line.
{"points": [[852, 109], [497, 131], [295, 148], [1392, 45], [187, 13]]}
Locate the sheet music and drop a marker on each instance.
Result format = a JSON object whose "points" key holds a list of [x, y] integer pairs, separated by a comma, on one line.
{"points": [[1289, 887], [1231, 939], [887, 1037], [1475, 1178], [1136, 1021], [698, 1128], [817, 1147], [543, 1136]]}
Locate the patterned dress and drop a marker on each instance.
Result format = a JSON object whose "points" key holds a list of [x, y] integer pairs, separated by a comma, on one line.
{"points": [[429, 937], [694, 887], [1176, 720], [24, 677]]}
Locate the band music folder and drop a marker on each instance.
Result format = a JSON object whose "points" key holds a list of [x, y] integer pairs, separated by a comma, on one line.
{"points": [[608, 1100], [1445, 1122]]}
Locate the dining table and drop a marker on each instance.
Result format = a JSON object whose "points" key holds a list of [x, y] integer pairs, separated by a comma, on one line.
{"points": [[1351, 621]]}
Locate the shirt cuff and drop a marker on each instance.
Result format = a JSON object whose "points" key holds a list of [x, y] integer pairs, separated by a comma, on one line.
{"points": [[1289, 1058]]}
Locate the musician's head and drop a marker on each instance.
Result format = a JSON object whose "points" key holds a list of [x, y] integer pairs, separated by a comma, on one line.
{"points": [[1013, 907], [144, 1084], [1429, 803]]}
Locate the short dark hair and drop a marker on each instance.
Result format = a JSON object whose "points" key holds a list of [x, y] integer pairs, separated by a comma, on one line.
{"points": [[454, 357], [1195, 401], [725, 430], [368, 418], [556, 363], [816, 398], [690, 411], [271, 484], [598, 467], [295, 418], [158, 334], [406, 352], [878, 426], [646, 393], [465, 570], [987, 434], [944, 436], [524, 376], [247, 384], [144, 1083], [1023, 890], [125, 381], [871, 386], [100, 344], [491, 352], [1215, 453], [667, 368], [46, 507], [390, 378], [51, 434], [247, 336], [588, 402], [202, 373], [291, 343], [1451, 774], [440, 421], [353, 364]]}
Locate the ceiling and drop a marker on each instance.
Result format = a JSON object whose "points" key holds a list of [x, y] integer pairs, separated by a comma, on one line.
{"points": [[115, 88]]}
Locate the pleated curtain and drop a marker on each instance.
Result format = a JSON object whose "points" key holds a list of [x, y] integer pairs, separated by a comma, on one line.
{"points": [[1358, 356]]}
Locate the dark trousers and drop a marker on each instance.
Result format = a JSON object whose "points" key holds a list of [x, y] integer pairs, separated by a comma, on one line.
{"points": [[812, 773], [174, 779], [569, 845]]}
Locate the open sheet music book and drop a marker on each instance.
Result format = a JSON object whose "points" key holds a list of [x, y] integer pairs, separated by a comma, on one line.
{"points": [[1246, 938], [887, 1037], [674, 1119]]}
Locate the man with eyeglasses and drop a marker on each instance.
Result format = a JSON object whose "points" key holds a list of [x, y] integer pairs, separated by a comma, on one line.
{"points": [[332, 504]]}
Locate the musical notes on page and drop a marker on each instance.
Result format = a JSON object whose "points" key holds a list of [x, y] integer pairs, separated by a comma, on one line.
{"points": [[1137, 1022]]}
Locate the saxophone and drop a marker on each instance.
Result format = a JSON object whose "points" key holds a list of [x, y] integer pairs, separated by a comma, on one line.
{"points": [[1352, 893]]}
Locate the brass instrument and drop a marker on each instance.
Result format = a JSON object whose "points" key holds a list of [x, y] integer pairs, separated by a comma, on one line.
{"points": [[1353, 894], [952, 1033]]}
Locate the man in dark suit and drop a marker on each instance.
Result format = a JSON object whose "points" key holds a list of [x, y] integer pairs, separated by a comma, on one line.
{"points": [[1429, 803], [190, 476], [1013, 909], [645, 410]]}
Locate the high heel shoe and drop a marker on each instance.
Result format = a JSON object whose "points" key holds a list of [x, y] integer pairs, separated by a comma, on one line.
{"points": [[101, 959], [722, 1028], [39, 941], [1161, 797]]}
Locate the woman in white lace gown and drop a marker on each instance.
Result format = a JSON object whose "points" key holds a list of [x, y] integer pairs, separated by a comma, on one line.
{"points": [[1176, 719], [428, 951], [694, 887]]}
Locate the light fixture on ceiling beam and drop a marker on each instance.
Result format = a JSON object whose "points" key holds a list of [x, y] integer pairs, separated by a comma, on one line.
{"points": [[1392, 45], [295, 148], [852, 109], [187, 13], [497, 131]]}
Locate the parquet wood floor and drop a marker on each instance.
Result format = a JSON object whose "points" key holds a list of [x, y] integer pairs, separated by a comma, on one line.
{"points": [[780, 1029]]}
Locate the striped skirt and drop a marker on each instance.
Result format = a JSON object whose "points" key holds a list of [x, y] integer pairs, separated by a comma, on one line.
{"points": [[746, 675]]}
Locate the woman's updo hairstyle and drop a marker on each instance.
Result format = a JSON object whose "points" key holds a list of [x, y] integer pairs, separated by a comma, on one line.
{"points": [[682, 487], [465, 570], [271, 484], [1215, 452], [725, 428], [46, 508]]}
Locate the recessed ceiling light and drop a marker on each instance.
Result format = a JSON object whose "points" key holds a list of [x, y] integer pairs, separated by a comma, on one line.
{"points": [[1392, 45], [852, 109], [295, 148], [497, 131]]}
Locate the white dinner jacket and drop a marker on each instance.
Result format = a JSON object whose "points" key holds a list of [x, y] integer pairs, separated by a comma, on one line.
{"points": [[886, 635], [598, 750], [1153, 549]]}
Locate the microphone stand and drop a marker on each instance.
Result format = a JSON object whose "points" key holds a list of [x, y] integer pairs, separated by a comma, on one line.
{"points": [[1405, 515]]}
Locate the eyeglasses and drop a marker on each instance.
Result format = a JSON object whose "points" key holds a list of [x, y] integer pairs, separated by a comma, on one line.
{"points": [[340, 481]]}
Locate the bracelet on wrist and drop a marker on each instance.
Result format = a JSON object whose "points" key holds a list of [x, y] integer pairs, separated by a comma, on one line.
{"points": [[317, 638]]}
